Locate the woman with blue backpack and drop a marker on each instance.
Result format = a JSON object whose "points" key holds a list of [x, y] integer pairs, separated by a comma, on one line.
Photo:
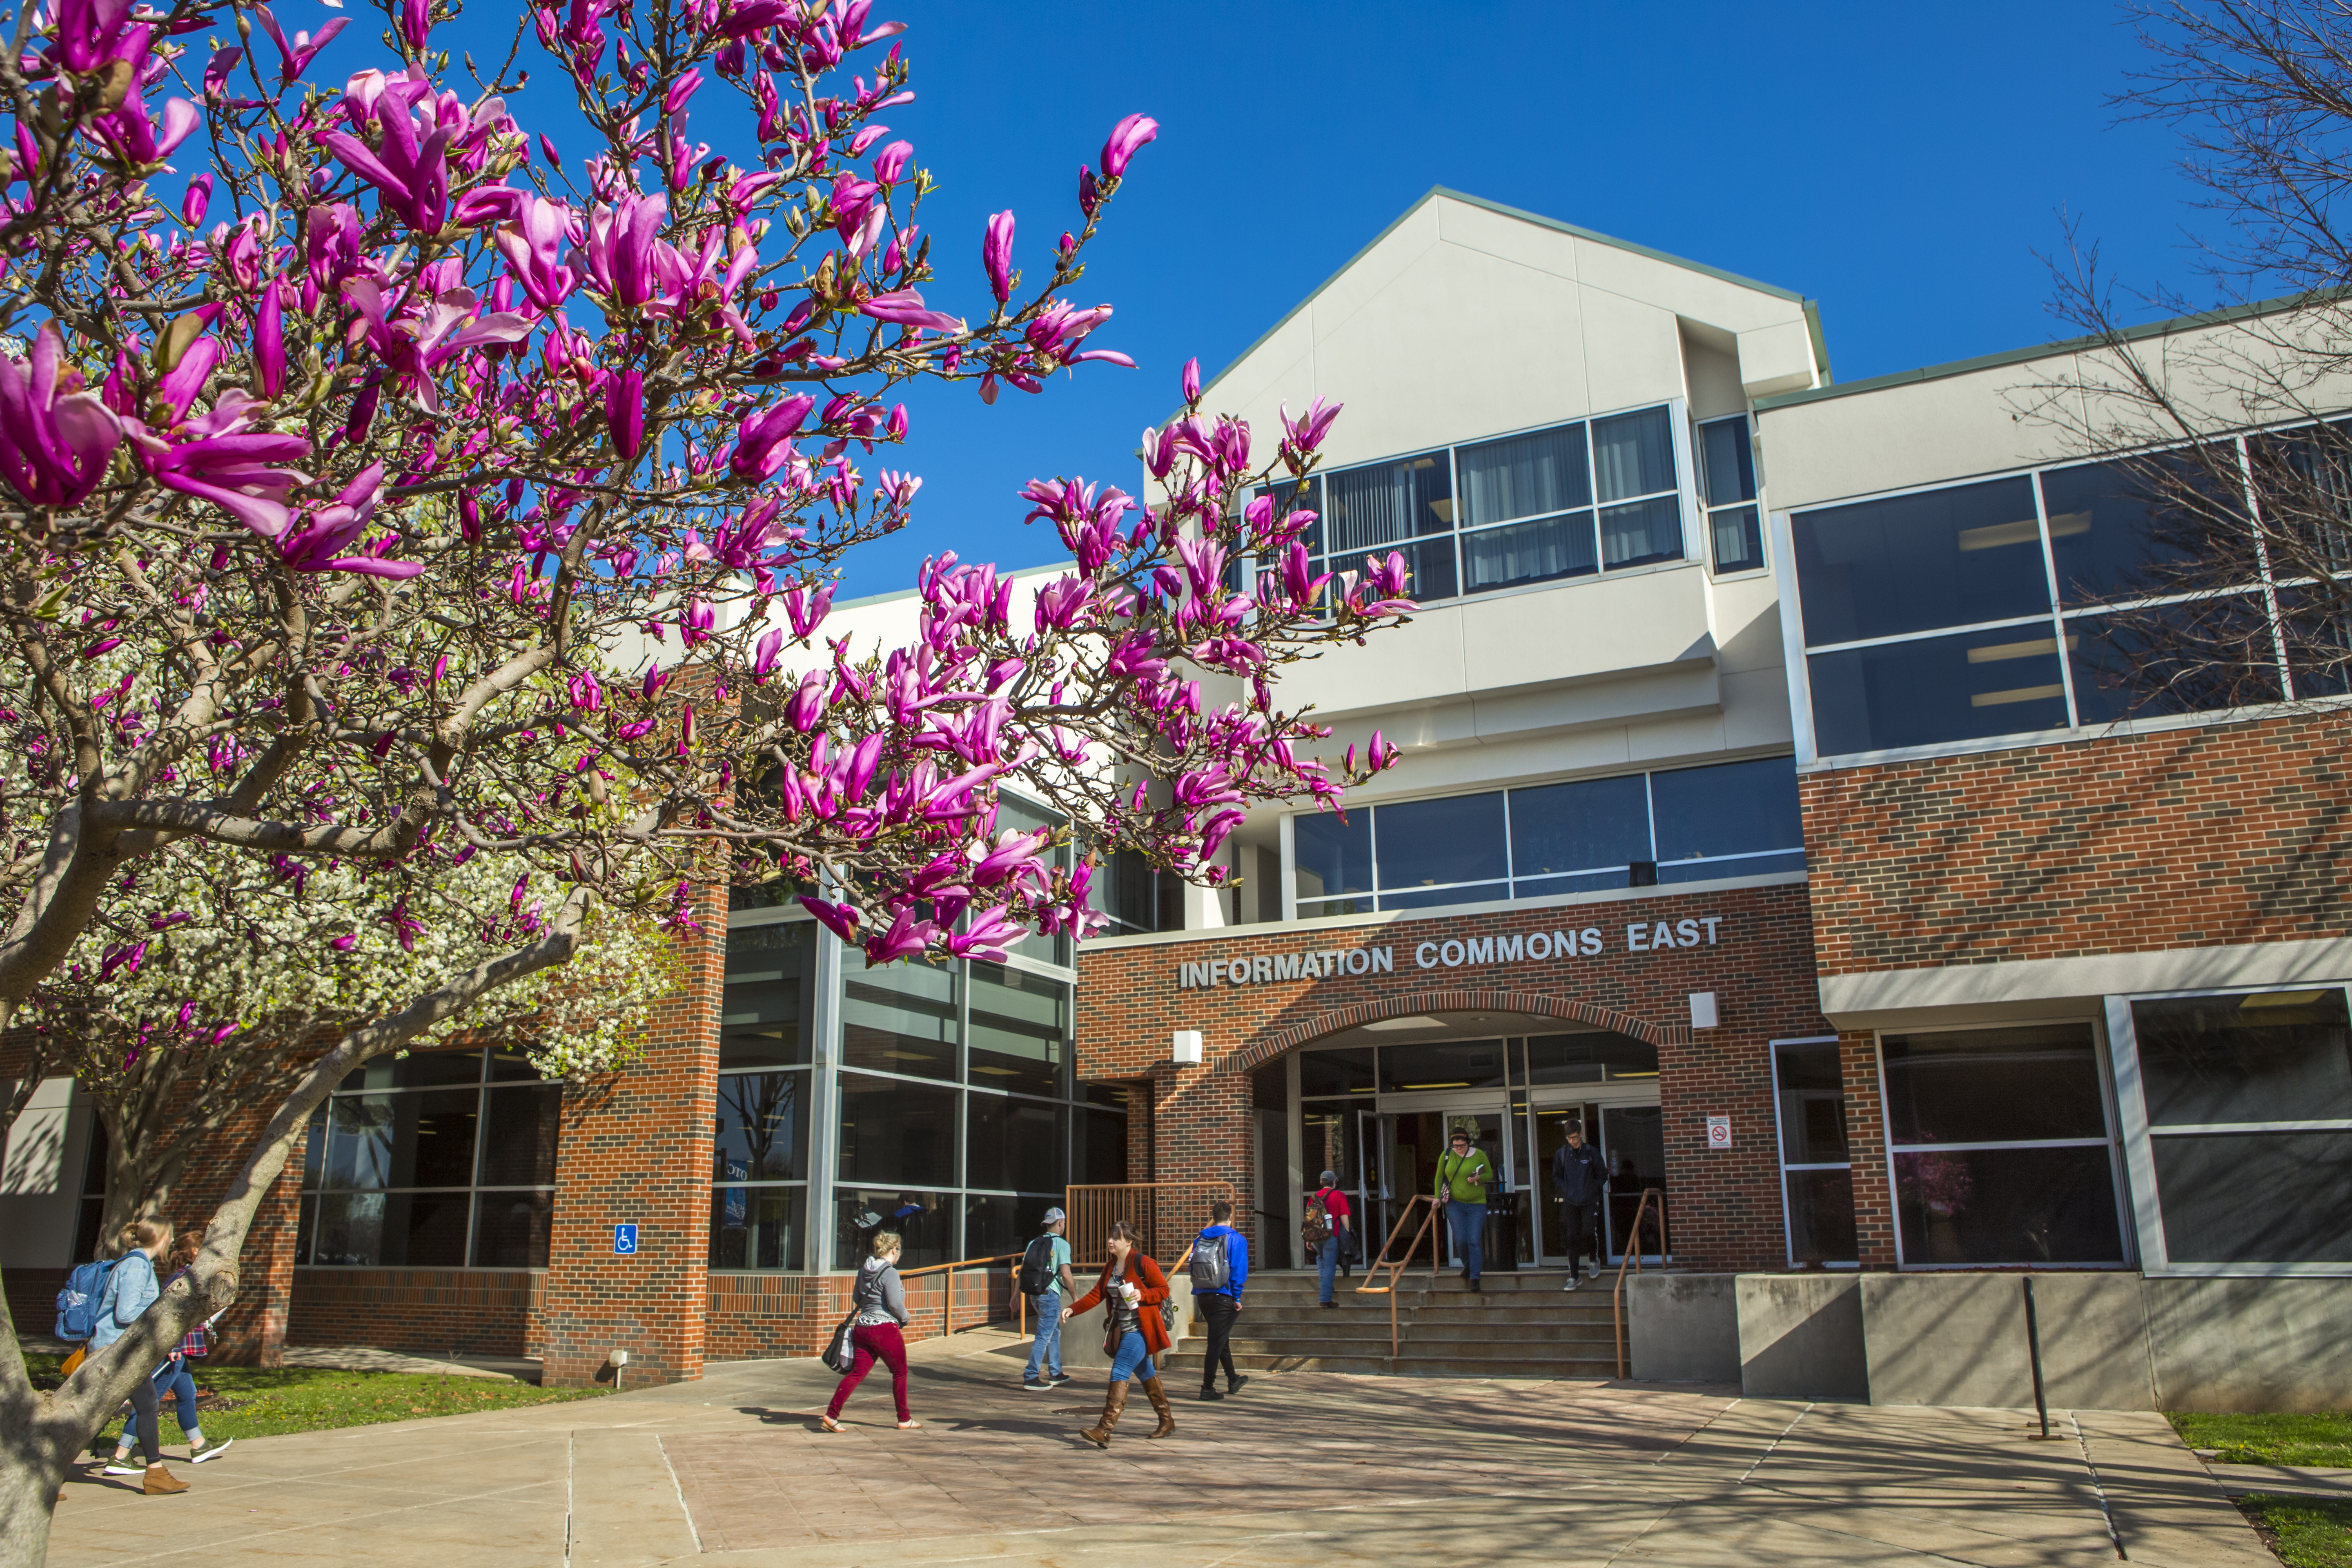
{"points": [[130, 1289], [174, 1382]]}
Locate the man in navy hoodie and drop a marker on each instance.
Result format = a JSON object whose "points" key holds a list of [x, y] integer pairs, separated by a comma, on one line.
{"points": [[1219, 1303]]}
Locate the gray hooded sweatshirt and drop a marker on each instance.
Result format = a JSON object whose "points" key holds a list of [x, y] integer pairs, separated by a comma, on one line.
{"points": [[880, 1296]]}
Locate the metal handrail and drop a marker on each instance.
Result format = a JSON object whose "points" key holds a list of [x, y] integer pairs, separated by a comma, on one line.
{"points": [[1633, 1256], [1091, 1207], [947, 1306], [1397, 1267]]}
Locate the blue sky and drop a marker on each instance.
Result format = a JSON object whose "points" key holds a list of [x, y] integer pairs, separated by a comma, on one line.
{"points": [[1900, 164]]}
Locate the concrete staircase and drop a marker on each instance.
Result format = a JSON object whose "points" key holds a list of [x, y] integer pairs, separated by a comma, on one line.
{"points": [[1521, 1325]]}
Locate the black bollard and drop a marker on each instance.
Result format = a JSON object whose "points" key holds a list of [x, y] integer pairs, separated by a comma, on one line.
{"points": [[2033, 1350]]}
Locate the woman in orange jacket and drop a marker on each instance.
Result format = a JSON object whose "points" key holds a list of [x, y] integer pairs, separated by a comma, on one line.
{"points": [[1131, 1288]]}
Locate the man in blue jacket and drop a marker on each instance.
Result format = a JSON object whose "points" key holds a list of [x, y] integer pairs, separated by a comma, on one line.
{"points": [[1217, 1283], [1580, 1176]]}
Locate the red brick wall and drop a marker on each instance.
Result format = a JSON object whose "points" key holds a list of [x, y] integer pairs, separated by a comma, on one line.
{"points": [[1865, 1132], [434, 1310], [637, 1150], [753, 1316], [2202, 838], [1725, 1205]]}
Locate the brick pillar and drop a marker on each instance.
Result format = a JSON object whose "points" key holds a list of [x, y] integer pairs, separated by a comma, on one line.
{"points": [[1201, 1130], [635, 1150], [1865, 1142], [253, 1333]]}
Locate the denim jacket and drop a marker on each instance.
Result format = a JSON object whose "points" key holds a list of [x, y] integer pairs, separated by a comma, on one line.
{"points": [[130, 1289]]}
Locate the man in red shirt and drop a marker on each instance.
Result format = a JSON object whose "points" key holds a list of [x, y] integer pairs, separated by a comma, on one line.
{"points": [[1336, 1217]]}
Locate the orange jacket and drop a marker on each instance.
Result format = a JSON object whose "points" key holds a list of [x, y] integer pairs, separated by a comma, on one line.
{"points": [[1154, 1286]]}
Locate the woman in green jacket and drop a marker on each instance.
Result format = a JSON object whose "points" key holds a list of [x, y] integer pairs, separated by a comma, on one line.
{"points": [[1462, 1177]]}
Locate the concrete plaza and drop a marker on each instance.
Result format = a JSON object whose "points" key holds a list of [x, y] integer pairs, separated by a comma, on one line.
{"points": [[1300, 1468]]}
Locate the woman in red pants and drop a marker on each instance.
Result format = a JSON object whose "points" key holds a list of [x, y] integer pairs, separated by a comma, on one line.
{"points": [[880, 1297]]}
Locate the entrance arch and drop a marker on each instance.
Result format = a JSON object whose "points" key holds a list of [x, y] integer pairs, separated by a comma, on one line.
{"points": [[1275, 1042]]}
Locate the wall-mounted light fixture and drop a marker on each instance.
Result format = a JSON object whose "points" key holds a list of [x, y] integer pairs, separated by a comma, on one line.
{"points": [[1702, 1006], [1189, 1043]]}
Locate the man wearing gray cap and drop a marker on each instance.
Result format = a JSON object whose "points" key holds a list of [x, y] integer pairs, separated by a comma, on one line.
{"points": [[1046, 1280]]}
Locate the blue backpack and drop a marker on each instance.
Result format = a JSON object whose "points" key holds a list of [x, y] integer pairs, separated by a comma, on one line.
{"points": [[78, 1303]]}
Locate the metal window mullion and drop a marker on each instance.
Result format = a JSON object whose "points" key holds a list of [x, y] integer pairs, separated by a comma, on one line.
{"points": [[1886, 1137], [1649, 805], [2263, 564], [1685, 489], [1453, 529], [1991, 1144], [2057, 619], [2131, 1114], [1780, 1153], [2041, 618], [2250, 1129], [1372, 843]]}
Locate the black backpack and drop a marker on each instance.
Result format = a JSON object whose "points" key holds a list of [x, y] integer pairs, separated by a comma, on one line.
{"points": [[1038, 1274], [1213, 1265]]}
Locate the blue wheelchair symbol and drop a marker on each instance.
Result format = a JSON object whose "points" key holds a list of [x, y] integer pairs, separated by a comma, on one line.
{"points": [[625, 1239]]}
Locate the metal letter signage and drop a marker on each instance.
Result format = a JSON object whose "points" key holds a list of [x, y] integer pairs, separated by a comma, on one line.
{"points": [[1445, 952]]}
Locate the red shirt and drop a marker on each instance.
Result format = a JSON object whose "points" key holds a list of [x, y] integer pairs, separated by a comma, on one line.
{"points": [[1335, 1203]]}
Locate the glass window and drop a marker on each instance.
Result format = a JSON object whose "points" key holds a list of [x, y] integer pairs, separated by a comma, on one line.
{"points": [[1013, 1145], [1524, 476], [1375, 509], [1820, 1215], [1478, 1064], [1535, 551], [757, 1228], [762, 1018], [420, 1069], [403, 1140], [1334, 854], [1726, 461], [1634, 455], [1589, 1058], [2256, 1197], [519, 1135], [2195, 656], [1101, 1147], [761, 1128], [892, 1130], [1933, 689], [1135, 896], [1347, 1071], [510, 1229], [392, 1230], [1327, 1142], [924, 1222], [1028, 816], [898, 1018], [1816, 1176], [2002, 1149], [1643, 533], [2276, 1055], [1912, 564], [1457, 839], [1735, 808], [1020, 1023], [2109, 534]]}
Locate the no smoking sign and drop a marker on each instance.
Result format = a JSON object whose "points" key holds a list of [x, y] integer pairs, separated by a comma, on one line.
{"points": [[1718, 1131]]}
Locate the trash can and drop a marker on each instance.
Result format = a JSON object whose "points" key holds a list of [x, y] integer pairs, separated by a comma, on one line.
{"points": [[1501, 1241]]}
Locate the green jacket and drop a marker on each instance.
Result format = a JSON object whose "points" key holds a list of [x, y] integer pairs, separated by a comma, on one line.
{"points": [[1464, 1179]]}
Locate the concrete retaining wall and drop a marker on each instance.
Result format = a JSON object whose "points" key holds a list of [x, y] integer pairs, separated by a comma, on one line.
{"points": [[1082, 1336], [2115, 1341]]}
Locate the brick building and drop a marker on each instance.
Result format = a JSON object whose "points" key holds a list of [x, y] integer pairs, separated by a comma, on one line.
{"points": [[1787, 842]]}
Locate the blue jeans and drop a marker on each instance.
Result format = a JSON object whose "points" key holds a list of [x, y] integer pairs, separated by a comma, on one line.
{"points": [[1327, 1261], [1468, 1224], [1045, 1348], [173, 1382], [1134, 1357]]}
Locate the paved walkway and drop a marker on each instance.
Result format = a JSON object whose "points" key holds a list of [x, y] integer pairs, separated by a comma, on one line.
{"points": [[1301, 1469]]}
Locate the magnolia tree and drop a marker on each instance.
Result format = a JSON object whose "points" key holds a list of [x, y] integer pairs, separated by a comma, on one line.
{"points": [[215, 975], [375, 427]]}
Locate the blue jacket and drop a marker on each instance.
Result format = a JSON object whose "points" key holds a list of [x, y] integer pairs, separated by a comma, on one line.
{"points": [[130, 1289], [1236, 1257]]}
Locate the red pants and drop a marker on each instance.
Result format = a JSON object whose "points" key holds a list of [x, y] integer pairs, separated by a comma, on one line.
{"points": [[879, 1340]]}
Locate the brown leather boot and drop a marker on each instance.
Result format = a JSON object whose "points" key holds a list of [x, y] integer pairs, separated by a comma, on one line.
{"points": [[1114, 1401], [161, 1482], [1159, 1397]]}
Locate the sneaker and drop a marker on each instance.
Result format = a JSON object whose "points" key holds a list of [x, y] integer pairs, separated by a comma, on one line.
{"points": [[1036, 1385], [1474, 1291], [1572, 1283], [1331, 1303], [209, 1451], [131, 1467], [1210, 1393], [1057, 1378], [1235, 1384]]}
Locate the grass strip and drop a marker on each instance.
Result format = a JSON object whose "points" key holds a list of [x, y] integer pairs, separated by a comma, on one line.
{"points": [[2304, 1531], [2320, 1437]]}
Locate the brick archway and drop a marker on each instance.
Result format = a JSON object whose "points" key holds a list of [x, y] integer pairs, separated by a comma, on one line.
{"points": [[1278, 1042]]}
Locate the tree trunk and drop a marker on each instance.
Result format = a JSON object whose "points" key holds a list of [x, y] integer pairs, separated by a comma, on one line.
{"points": [[40, 1433]]}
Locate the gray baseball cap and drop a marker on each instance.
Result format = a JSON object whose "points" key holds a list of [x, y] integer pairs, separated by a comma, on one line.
{"points": [[1053, 1214]]}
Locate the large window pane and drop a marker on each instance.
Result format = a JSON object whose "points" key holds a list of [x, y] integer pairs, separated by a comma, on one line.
{"points": [[2007, 1206], [1101, 1147], [1015, 1144], [1737, 808], [1937, 690], [1334, 854], [1027, 817], [1346, 1071], [898, 1018], [1136, 897], [1911, 564], [420, 1070], [1019, 1025], [1438, 898], [2190, 657], [757, 1228], [1301, 496], [1708, 870], [1984, 1086], [925, 1222], [1633, 455], [2112, 531], [2267, 1197], [1820, 1216], [519, 1136], [1328, 1143], [762, 1021], [1477, 1064], [1589, 1058], [1426, 842], [1533, 552], [1738, 535], [403, 1140], [510, 1229], [896, 1131], [1811, 1089], [1726, 461], [1524, 476], [392, 1230], [1645, 532], [2278, 1056], [1377, 508], [1429, 567], [761, 1132]]}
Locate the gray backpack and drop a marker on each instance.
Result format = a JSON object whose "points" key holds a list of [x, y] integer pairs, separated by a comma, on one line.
{"points": [[1213, 1265]]}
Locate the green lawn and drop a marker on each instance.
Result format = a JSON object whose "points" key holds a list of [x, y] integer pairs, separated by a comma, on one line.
{"points": [[2306, 1533], [259, 1403], [2323, 1438]]}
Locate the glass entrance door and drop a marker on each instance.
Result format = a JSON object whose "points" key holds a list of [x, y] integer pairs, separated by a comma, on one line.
{"points": [[1552, 1125], [1633, 1141]]}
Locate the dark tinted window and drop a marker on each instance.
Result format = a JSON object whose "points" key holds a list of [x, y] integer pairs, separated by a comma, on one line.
{"points": [[1334, 856], [895, 1132], [2194, 656], [1375, 509], [1915, 562], [1986, 1086], [1726, 461], [1459, 840], [1737, 808], [761, 1020], [2278, 1056], [1473, 1065], [761, 1127], [1934, 689], [1336, 1072], [1584, 825], [2109, 526]]}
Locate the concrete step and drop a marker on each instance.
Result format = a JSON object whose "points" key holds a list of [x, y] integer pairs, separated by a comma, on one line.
{"points": [[1184, 1364]]}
